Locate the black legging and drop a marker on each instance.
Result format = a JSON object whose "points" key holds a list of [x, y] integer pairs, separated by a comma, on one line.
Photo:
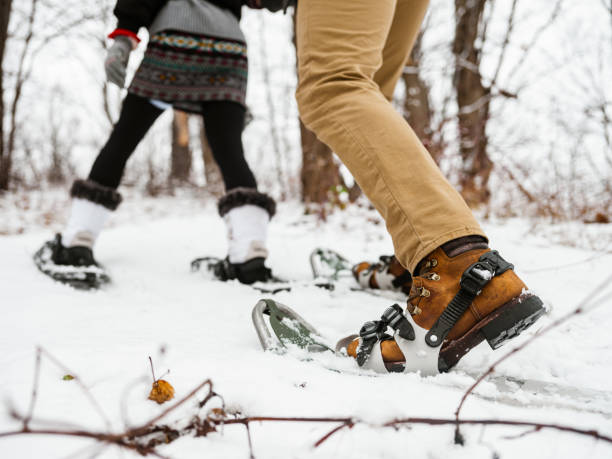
{"points": [[224, 122]]}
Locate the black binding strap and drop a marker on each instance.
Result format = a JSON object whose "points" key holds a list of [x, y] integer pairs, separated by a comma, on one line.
{"points": [[473, 280], [396, 319], [374, 331]]}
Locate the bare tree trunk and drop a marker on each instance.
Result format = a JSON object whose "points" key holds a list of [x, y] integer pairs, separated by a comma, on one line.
{"points": [[417, 109], [320, 173], [275, 140], [59, 157], [181, 153], [5, 12], [473, 100], [22, 75], [212, 173]]}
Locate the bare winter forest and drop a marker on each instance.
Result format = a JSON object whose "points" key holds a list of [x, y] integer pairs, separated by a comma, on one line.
{"points": [[512, 98]]}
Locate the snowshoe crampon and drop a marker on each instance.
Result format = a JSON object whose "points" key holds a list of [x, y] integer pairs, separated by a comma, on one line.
{"points": [[72, 266]]}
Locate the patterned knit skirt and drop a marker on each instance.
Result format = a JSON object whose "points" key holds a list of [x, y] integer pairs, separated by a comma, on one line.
{"points": [[185, 69]]}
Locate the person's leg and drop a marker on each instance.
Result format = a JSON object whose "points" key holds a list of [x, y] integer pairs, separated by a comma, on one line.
{"points": [[462, 293], [136, 118], [224, 123], [93, 199], [245, 210], [340, 49]]}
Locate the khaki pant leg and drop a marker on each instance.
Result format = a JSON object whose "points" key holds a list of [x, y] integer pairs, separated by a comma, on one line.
{"points": [[404, 31], [340, 48]]}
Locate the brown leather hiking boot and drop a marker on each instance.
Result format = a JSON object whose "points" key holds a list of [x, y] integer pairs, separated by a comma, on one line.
{"points": [[386, 274], [463, 294]]}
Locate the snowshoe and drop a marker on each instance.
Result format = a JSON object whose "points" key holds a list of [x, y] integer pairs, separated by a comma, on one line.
{"points": [[385, 278], [253, 273], [287, 328], [74, 266]]}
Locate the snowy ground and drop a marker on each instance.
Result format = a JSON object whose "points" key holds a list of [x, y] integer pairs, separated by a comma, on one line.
{"points": [[205, 329]]}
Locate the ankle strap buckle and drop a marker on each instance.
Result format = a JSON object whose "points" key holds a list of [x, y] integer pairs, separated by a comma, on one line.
{"points": [[479, 274], [476, 277]]}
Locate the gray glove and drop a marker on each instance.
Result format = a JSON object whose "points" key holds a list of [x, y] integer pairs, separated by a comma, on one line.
{"points": [[117, 60]]}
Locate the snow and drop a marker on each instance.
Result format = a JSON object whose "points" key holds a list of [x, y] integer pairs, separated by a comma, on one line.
{"points": [[483, 273], [199, 328]]}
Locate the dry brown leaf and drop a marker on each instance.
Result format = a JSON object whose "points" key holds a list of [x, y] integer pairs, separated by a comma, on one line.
{"points": [[161, 392]]}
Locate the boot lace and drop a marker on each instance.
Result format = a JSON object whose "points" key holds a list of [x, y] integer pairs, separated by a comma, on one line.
{"points": [[426, 273]]}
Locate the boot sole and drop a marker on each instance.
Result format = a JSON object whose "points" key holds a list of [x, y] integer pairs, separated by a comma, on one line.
{"points": [[506, 322]]}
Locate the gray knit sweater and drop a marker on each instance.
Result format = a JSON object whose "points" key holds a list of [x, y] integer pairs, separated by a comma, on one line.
{"points": [[198, 17]]}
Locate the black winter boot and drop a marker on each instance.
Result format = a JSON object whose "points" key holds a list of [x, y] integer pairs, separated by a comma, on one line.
{"points": [[249, 272]]}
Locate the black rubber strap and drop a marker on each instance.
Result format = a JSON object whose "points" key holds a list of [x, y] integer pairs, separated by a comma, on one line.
{"points": [[374, 331], [369, 335], [473, 280], [396, 319]]}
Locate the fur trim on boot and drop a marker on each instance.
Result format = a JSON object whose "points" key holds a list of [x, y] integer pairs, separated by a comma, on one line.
{"points": [[246, 196], [96, 193]]}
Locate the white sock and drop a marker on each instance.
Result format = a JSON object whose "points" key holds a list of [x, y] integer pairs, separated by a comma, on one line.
{"points": [[247, 231], [86, 221]]}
